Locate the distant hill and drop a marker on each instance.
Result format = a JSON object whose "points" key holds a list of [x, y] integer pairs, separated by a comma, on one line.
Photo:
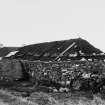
{"points": [[65, 49]]}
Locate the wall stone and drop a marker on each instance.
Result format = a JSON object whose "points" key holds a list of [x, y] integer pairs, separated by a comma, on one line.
{"points": [[10, 69], [57, 71], [63, 71]]}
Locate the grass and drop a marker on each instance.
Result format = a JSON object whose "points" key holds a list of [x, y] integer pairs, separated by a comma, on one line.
{"points": [[65, 99], [40, 98], [10, 99]]}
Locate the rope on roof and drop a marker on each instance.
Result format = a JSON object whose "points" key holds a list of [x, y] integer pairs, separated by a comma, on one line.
{"points": [[69, 47]]}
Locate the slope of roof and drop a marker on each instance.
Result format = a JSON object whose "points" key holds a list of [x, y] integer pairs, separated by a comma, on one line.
{"points": [[51, 50], [6, 50]]}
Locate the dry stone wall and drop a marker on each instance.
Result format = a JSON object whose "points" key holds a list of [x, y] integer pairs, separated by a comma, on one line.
{"points": [[57, 71], [10, 69], [64, 71]]}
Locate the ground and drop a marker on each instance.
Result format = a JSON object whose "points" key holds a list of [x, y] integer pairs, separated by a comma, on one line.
{"points": [[8, 97]]}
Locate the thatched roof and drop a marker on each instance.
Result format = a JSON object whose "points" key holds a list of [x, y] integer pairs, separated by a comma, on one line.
{"points": [[58, 49]]}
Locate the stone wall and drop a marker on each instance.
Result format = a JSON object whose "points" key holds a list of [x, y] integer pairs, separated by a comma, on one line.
{"points": [[10, 69], [63, 71], [57, 71]]}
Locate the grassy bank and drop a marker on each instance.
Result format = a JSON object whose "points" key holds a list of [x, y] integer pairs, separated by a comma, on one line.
{"points": [[40, 98]]}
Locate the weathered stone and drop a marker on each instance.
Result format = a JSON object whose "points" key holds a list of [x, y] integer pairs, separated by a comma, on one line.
{"points": [[10, 70]]}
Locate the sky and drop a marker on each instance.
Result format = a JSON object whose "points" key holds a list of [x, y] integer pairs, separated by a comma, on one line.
{"points": [[24, 22]]}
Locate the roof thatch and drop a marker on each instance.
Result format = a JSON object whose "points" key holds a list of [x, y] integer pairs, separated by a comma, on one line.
{"points": [[57, 49]]}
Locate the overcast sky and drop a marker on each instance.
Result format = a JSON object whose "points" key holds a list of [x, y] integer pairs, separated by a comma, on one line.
{"points": [[33, 21]]}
